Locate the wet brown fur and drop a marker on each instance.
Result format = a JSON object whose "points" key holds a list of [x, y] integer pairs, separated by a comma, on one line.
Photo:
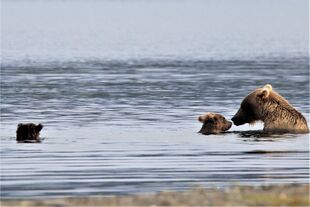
{"points": [[28, 132], [276, 112], [213, 123]]}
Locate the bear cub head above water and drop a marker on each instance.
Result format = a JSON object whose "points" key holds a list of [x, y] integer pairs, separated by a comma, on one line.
{"points": [[28, 132], [213, 123], [264, 104]]}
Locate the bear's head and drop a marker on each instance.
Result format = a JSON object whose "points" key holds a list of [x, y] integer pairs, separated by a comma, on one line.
{"points": [[253, 107], [213, 123], [28, 132]]}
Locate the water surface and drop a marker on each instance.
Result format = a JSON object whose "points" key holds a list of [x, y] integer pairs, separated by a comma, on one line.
{"points": [[119, 88]]}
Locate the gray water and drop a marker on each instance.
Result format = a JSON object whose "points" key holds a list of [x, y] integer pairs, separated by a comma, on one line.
{"points": [[118, 86]]}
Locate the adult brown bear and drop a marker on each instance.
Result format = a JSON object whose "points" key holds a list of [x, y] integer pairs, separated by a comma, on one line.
{"points": [[264, 104]]}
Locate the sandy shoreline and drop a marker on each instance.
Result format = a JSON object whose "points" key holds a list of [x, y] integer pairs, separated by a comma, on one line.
{"points": [[272, 195]]}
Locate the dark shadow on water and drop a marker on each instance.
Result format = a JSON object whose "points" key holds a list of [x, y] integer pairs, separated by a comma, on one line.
{"points": [[254, 152], [29, 141], [251, 133], [260, 134]]}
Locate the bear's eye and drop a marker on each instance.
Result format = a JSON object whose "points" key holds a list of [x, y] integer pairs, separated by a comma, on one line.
{"points": [[211, 120]]}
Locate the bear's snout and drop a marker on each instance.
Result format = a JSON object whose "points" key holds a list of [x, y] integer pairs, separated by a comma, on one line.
{"points": [[237, 121], [229, 125]]}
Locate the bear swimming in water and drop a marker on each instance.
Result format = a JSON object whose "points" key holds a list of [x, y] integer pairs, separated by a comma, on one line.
{"points": [[264, 104], [213, 123], [28, 132]]}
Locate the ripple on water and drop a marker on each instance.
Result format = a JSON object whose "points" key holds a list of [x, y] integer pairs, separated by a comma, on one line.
{"points": [[118, 127]]}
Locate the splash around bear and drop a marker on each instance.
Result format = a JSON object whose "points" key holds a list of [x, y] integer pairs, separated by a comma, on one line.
{"points": [[213, 123], [278, 115]]}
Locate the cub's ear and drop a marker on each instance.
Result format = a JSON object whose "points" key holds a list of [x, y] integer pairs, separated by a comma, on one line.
{"points": [[264, 93], [19, 125], [200, 119], [39, 127]]}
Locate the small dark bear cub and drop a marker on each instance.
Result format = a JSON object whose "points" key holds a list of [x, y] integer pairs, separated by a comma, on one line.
{"points": [[213, 123], [28, 132]]}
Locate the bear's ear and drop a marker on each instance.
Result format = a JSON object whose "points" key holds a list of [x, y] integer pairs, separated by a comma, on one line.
{"points": [[39, 127], [268, 86], [264, 93]]}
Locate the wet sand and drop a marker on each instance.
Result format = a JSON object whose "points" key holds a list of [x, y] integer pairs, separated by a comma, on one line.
{"points": [[272, 195]]}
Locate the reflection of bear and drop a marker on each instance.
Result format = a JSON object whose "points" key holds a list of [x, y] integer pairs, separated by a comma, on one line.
{"points": [[278, 115], [28, 132], [213, 123]]}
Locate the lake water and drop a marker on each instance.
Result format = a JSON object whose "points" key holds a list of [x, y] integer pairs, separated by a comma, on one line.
{"points": [[118, 86]]}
